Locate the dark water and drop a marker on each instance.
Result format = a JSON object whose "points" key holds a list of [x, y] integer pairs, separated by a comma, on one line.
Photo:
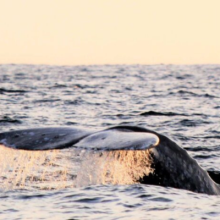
{"points": [[182, 102]]}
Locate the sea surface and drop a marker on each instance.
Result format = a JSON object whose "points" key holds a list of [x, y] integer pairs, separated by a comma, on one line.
{"points": [[181, 102]]}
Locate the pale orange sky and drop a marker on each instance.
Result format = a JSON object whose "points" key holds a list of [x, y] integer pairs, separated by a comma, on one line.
{"points": [[75, 32]]}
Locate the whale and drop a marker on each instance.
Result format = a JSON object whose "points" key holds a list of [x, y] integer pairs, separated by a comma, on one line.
{"points": [[172, 165]]}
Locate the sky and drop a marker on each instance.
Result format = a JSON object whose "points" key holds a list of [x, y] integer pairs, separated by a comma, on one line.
{"points": [[84, 32]]}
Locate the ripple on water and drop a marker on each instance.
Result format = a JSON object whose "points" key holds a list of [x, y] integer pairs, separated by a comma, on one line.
{"points": [[181, 102]]}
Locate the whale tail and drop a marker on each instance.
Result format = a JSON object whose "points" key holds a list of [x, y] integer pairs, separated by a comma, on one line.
{"points": [[116, 138], [43, 138], [172, 165]]}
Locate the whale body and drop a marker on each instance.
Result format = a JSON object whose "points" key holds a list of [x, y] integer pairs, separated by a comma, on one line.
{"points": [[173, 167]]}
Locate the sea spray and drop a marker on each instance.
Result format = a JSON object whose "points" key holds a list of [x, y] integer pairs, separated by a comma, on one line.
{"points": [[56, 169], [34, 169], [113, 167]]}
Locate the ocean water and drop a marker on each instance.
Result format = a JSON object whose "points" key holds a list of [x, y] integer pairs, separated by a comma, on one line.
{"points": [[181, 102]]}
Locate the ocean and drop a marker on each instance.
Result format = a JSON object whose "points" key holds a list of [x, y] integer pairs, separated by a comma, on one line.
{"points": [[180, 101]]}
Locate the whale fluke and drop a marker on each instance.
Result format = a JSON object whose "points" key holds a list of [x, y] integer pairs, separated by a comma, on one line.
{"points": [[117, 138], [172, 165], [43, 138]]}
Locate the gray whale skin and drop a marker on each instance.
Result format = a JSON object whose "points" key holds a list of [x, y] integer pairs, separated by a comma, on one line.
{"points": [[173, 167]]}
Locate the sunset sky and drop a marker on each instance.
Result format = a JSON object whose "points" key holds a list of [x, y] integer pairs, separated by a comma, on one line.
{"points": [[76, 32]]}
